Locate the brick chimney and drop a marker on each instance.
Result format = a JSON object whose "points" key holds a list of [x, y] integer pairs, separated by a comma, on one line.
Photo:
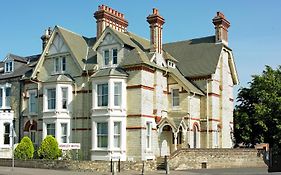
{"points": [[156, 22], [106, 16], [221, 26], [45, 37]]}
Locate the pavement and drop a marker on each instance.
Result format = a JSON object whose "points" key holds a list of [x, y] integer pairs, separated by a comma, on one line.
{"points": [[234, 171]]}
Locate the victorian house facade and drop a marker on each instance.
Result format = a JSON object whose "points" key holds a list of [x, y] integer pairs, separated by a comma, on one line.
{"points": [[122, 96]]}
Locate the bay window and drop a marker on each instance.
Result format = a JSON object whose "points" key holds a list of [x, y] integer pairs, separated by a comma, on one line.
{"points": [[102, 94], [102, 135]]}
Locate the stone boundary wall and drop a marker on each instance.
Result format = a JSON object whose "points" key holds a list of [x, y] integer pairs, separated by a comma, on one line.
{"points": [[100, 166], [216, 158]]}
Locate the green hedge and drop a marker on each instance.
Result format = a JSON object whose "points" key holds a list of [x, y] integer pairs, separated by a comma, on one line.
{"points": [[49, 149], [25, 149]]}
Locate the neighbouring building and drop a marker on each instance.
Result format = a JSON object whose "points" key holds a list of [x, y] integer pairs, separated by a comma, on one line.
{"points": [[120, 95]]}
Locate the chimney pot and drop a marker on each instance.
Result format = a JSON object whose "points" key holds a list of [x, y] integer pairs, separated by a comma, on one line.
{"points": [[221, 27]]}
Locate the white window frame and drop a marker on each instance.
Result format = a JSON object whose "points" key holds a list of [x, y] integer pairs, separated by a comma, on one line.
{"points": [[104, 58], [48, 124], [64, 135], [30, 103], [60, 64], [102, 95], [119, 96], [9, 66], [99, 135], [113, 57], [4, 96], [148, 135], [64, 99], [116, 135], [173, 98], [47, 99]]}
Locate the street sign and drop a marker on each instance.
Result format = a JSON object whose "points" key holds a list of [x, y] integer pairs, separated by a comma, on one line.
{"points": [[69, 146]]}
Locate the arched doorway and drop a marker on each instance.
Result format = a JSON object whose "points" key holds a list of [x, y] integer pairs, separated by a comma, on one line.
{"points": [[30, 130], [196, 140], [166, 140]]}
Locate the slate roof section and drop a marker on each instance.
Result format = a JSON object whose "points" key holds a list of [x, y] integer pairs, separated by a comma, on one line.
{"points": [[106, 72], [16, 73], [196, 57], [60, 78]]}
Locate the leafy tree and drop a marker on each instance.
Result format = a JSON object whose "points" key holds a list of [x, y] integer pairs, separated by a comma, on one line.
{"points": [[49, 149], [257, 116], [25, 149]]}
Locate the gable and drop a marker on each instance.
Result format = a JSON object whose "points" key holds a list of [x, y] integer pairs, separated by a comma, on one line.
{"points": [[109, 39], [58, 45]]}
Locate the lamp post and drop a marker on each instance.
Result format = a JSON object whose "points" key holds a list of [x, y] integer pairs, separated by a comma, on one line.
{"points": [[12, 136]]}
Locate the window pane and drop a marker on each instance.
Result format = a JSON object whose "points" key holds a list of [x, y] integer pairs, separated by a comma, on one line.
{"points": [[64, 132], [102, 135], [51, 129], [102, 94], [114, 55], [57, 64], [106, 57], [117, 134], [11, 66], [6, 67], [63, 64], [148, 135], [175, 96], [51, 98], [8, 97], [64, 97], [7, 133], [32, 102], [117, 93]]}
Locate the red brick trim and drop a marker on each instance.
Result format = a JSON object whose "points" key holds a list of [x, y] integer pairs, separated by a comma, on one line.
{"points": [[81, 129], [135, 127], [141, 67], [140, 86], [216, 120], [141, 115], [80, 118], [192, 118], [213, 94]]}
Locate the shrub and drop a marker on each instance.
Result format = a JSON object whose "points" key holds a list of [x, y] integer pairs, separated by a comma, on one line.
{"points": [[25, 149], [49, 149]]}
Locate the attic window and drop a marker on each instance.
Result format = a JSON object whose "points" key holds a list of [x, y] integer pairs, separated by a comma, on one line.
{"points": [[59, 64], [171, 64], [9, 66]]}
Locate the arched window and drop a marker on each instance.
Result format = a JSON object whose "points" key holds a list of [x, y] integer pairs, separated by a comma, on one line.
{"points": [[7, 133]]}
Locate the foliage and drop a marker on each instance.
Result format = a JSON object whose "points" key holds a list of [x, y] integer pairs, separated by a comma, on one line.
{"points": [[25, 149], [257, 116], [49, 149]]}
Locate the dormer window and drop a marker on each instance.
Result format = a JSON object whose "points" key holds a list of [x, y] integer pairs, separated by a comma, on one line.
{"points": [[110, 57], [59, 64], [9, 66]]}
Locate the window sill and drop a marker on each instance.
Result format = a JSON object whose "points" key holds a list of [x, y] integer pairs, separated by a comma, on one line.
{"points": [[33, 113], [100, 149], [176, 108]]}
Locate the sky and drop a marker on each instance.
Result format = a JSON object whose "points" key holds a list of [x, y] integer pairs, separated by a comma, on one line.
{"points": [[254, 34]]}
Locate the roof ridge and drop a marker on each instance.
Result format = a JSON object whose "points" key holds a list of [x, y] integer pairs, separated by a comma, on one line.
{"points": [[60, 27], [181, 41]]}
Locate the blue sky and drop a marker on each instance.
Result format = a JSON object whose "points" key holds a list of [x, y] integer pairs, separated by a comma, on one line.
{"points": [[254, 35]]}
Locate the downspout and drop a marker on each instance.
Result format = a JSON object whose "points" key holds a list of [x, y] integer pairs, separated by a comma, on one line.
{"points": [[189, 118], [207, 112]]}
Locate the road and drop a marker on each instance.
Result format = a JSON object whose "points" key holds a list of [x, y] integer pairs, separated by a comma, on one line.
{"points": [[236, 171]]}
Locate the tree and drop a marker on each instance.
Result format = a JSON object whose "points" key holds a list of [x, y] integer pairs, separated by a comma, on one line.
{"points": [[49, 149], [257, 116], [25, 149]]}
